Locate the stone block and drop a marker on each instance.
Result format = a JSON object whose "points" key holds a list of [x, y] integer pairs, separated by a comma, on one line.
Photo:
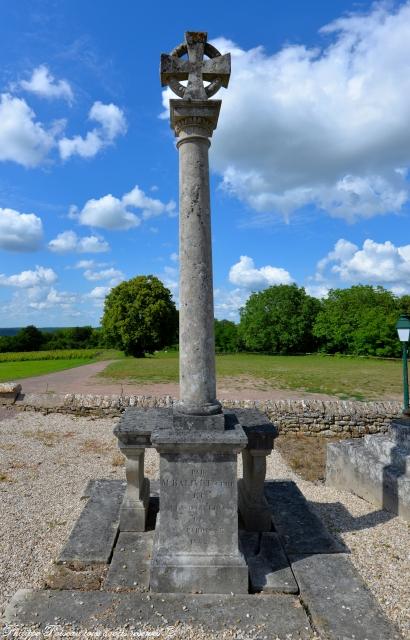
{"points": [[340, 604], [130, 564], [269, 569], [93, 536], [196, 540], [9, 392], [353, 466], [300, 530], [247, 616]]}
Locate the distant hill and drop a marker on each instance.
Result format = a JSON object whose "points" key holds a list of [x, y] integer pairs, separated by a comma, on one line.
{"points": [[12, 331]]}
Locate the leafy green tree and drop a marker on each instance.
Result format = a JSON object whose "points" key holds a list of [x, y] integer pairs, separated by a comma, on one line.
{"points": [[28, 339], [226, 336], [139, 316], [359, 320], [279, 320], [404, 305]]}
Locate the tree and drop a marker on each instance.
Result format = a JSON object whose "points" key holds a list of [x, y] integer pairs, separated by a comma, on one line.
{"points": [[28, 339], [279, 320], [139, 316], [226, 336], [360, 321]]}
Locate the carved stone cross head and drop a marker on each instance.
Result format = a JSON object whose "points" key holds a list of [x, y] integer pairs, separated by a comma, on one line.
{"points": [[216, 70]]}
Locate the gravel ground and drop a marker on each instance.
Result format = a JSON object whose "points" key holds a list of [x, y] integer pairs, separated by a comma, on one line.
{"points": [[43, 458]]}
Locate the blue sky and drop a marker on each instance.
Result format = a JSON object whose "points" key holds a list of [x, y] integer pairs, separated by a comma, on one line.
{"points": [[309, 162]]}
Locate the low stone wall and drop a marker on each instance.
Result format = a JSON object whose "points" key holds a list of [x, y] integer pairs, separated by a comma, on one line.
{"points": [[312, 417]]}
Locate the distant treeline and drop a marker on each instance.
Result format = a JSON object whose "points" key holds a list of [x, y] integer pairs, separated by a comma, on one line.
{"points": [[282, 319], [32, 339]]}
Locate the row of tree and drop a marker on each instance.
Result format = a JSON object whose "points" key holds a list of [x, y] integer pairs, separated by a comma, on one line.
{"points": [[360, 320], [140, 317]]}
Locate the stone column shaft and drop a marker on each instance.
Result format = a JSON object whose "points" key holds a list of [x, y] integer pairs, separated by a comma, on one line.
{"points": [[194, 124]]}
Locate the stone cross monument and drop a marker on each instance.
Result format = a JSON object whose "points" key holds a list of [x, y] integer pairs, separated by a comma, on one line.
{"points": [[196, 539]]}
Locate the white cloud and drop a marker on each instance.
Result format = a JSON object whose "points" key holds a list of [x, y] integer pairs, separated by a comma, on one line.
{"points": [[244, 274], [43, 84], [324, 126], [41, 276], [115, 276], [150, 207], [22, 138], [228, 303], [99, 293], [20, 231], [48, 299], [375, 263], [110, 212], [112, 124], [70, 241]]}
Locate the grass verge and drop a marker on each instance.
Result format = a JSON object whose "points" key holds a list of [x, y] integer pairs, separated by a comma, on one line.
{"points": [[347, 378]]}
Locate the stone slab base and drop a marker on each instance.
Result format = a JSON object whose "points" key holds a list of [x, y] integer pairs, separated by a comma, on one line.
{"points": [[353, 466], [340, 604], [130, 564], [269, 568], [250, 616], [300, 530]]}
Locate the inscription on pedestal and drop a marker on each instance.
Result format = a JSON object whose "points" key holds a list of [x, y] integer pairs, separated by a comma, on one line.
{"points": [[201, 505]]}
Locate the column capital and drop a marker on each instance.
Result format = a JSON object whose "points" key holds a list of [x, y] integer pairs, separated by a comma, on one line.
{"points": [[194, 117]]}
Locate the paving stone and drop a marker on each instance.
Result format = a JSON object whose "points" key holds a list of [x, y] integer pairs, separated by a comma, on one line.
{"points": [[269, 570], [300, 530], [271, 616], [92, 538], [340, 604], [130, 564]]}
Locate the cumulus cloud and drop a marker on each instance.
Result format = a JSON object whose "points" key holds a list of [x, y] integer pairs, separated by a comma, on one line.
{"points": [[228, 303], [324, 126], [375, 263], [51, 298], [40, 276], [44, 85], [98, 293], [110, 212], [114, 276], [20, 231], [23, 139], [67, 241], [112, 123], [245, 274]]}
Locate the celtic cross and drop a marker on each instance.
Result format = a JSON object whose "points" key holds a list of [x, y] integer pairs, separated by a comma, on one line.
{"points": [[216, 70]]}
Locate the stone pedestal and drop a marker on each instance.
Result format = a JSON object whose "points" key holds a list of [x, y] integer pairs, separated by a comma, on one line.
{"points": [[196, 540]]}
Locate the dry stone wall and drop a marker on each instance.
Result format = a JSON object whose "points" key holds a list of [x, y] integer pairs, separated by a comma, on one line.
{"points": [[313, 417]]}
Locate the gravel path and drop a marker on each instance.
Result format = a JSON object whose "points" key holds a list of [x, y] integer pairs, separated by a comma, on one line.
{"points": [[45, 462], [84, 380]]}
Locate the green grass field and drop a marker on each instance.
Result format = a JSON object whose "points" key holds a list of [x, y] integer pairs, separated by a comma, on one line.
{"points": [[345, 377], [14, 366]]}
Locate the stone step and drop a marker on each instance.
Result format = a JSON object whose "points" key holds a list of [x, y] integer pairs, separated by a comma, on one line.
{"points": [[241, 616], [339, 603], [269, 569], [388, 452], [400, 432], [130, 563], [93, 536], [300, 530]]}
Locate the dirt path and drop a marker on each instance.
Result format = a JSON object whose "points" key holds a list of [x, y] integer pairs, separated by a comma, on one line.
{"points": [[83, 380]]}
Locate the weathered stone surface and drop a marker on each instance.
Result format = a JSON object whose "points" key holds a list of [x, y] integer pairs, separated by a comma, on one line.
{"points": [[269, 569], [340, 604], [92, 538], [254, 508], [196, 542], [279, 616], [75, 575], [259, 430], [300, 530], [356, 466], [136, 424], [9, 391], [130, 564]]}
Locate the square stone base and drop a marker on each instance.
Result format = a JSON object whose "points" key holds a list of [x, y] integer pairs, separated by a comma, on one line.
{"points": [[133, 514]]}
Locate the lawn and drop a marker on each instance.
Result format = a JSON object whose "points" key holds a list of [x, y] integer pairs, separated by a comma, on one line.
{"points": [[14, 366], [345, 377]]}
